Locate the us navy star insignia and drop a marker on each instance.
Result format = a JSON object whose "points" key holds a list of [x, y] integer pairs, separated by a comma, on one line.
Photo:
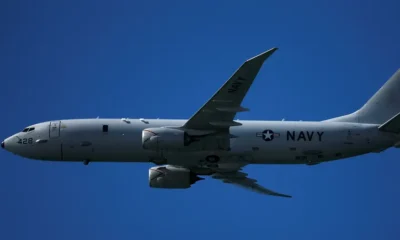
{"points": [[268, 135]]}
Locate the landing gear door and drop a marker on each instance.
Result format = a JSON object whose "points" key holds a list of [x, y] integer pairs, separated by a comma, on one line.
{"points": [[54, 131]]}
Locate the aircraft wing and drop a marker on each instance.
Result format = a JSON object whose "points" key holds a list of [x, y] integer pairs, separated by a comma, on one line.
{"points": [[240, 179], [220, 110]]}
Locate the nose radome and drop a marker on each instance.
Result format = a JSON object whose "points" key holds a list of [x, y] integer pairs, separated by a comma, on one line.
{"points": [[6, 144]]}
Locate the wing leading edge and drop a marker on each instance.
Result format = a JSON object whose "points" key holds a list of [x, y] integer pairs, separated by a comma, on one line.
{"points": [[220, 110], [218, 114]]}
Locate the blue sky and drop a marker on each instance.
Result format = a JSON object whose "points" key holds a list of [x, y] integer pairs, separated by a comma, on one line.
{"points": [[83, 59]]}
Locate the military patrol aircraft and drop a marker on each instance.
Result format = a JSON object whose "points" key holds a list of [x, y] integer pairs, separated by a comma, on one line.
{"points": [[212, 143]]}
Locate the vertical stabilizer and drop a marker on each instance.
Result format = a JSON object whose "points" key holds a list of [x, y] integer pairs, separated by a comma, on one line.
{"points": [[383, 105]]}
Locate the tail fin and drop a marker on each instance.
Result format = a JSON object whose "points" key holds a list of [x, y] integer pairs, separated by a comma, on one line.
{"points": [[383, 105]]}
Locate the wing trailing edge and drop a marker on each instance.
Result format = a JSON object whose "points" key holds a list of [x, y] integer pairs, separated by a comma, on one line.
{"points": [[240, 179]]}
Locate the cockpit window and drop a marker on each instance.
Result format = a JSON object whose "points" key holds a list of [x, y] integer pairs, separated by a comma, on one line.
{"points": [[28, 129]]}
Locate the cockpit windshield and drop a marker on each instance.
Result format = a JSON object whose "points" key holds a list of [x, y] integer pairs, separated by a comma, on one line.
{"points": [[28, 129]]}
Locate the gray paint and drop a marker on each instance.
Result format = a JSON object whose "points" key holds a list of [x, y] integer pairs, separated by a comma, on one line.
{"points": [[123, 143], [219, 146], [382, 106]]}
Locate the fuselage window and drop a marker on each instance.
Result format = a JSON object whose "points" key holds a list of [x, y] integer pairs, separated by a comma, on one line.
{"points": [[105, 128]]}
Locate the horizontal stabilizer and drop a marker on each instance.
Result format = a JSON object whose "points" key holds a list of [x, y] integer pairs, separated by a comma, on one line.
{"points": [[392, 125]]}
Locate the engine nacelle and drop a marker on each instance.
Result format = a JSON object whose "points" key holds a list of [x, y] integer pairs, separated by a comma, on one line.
{"points": [[164, 138], [171, 177]]}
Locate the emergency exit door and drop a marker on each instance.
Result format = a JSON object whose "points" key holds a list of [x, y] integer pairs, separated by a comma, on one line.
{"points": [[54, 131]]}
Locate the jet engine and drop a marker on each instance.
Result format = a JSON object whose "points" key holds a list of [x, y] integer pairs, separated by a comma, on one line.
{"points": [[164, 138], [171, 177]]}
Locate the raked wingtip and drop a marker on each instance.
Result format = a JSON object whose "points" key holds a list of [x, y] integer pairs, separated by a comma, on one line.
{"points": [[263, 56]]}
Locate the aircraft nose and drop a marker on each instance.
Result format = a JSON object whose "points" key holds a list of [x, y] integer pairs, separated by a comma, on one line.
{"points": [[7, 144]]}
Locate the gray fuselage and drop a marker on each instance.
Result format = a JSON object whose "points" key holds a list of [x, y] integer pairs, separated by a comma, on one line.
{"points": [[262, 142]]}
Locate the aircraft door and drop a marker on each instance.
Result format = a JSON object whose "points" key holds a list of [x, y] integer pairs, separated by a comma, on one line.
{"points": [[54, 129]]}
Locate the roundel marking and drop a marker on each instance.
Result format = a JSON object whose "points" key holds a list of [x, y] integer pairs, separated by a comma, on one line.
{"points": [[268, 135]]}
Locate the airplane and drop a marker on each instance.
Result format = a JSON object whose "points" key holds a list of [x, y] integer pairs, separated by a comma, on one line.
{"points": [[212, 143]]}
